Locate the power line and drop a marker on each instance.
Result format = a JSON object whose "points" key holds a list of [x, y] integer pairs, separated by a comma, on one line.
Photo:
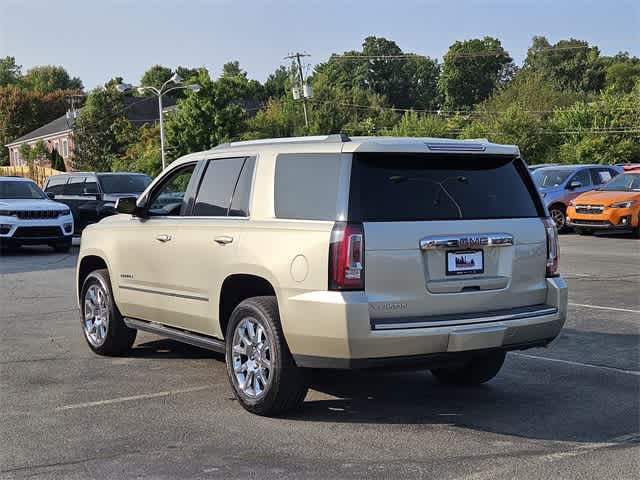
{"points": [[450, 112]]}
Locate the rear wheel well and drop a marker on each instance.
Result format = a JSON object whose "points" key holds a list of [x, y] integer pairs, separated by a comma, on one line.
{"points": [[237, 288], [89, 264]]}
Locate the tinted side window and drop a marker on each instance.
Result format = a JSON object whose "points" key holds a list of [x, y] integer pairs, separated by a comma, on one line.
{"points": [[421, 187], [168, 198], [583, 176], [242, 194], [56, 184], [217, 186], [306, 186], [90, 186], [75, 185], [601, 175]]}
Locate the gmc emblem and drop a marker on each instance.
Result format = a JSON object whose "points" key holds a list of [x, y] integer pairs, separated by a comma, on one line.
{"points": [[472, 242]]}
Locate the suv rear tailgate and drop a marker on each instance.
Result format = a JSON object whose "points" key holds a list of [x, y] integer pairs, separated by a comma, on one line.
{"points": [[448, 234]]}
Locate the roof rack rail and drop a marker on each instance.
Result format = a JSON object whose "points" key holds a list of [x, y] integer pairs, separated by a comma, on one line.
{"points": [[333, 138]]}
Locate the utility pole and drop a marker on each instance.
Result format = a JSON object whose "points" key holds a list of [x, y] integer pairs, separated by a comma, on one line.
{"points": [[72, 111], [304, 88]]}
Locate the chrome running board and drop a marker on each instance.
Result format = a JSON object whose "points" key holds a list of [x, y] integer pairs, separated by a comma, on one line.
{"points": [[195, 339]]}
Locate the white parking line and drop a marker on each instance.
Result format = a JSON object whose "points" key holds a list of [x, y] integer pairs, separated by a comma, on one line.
{"points": [[165, 393], [599, 307], [579, 364]]}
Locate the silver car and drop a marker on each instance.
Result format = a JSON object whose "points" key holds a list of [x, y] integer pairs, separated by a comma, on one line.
{"points": [[559, 185]]}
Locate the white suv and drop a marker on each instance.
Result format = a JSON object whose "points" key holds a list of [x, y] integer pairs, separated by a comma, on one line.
{"points": [[29, 217], [330, 252]]}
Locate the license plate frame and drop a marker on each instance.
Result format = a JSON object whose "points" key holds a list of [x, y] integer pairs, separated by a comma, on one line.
{"points": [[464, 262]]}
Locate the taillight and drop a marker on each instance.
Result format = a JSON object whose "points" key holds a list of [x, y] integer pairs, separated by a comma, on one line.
{"points": [[346, 257], [552, 247]]}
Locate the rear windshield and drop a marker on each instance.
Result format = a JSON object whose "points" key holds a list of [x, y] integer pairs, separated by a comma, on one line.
{"points": [[123, 183], [419, 187]]}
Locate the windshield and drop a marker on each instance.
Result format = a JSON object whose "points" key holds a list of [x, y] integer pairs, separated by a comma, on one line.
{"points": [[545, 178], [628, 182], [20, 190], [123, 183]]}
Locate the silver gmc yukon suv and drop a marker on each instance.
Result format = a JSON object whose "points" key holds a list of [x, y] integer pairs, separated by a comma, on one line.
{"points": [[330, 252]]}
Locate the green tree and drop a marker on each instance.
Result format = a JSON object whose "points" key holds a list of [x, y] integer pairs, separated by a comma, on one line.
{"points": [[22, 111], [281, 117], [623, 73], [216, 114], [102, 132], [520, 113], [232, 69], [156, 76], [413, 124], [568, 64], [278, 84], [382, 67], [143, 155], [49, 78], [57, 162], [10, 72], [602, 131], [472, 71]]}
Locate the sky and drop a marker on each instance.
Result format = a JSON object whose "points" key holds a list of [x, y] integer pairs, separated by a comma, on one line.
{"points": [[100, 39]]}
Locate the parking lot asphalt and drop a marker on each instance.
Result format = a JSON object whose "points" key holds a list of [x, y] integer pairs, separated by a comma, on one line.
{"points": [[166, 411]]}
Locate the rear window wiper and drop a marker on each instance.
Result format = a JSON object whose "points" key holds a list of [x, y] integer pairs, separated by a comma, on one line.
{"points": [[436, 202]]}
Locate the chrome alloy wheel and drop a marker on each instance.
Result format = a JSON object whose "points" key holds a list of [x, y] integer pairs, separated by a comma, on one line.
{"points": [[558, 217], [96, 315], [252, 361]]}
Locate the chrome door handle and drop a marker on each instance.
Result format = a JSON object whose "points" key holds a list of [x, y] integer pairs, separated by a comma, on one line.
{"points": [[223, 240], [164, 238]]}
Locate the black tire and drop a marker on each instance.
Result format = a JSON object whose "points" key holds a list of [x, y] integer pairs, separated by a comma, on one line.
{"points": [[479, 369], [118, 338], [583, 231], [559, 215], [287, 384], [63, 247]]}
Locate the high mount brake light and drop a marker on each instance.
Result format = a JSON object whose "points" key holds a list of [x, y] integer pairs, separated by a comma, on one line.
{"points": [[346, 257]]}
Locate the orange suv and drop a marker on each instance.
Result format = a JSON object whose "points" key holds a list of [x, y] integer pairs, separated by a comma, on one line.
{"points": [[615, 205]]}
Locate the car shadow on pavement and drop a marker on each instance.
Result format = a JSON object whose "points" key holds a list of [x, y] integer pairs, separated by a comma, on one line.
{"points": [[166, 348], [535, 406]]}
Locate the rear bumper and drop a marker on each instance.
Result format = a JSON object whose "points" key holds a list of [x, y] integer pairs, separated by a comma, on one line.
{"points": [[334, 330]]}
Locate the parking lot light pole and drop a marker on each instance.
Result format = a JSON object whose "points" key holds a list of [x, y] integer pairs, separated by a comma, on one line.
{"points": [[160, 92]]}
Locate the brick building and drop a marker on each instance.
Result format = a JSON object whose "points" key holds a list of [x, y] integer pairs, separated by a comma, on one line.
{"points": [[58, 134]]}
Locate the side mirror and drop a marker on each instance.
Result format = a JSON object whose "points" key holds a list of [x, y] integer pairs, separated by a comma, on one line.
{"points": [[51, 195], [575, 184], [127, 205]]}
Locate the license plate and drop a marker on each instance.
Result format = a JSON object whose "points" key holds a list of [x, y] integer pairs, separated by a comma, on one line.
{"points": [[465, 262]]}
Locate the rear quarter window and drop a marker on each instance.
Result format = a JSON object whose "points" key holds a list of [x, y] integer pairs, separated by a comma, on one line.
{"points": [[422, 187], [306, 186]]}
